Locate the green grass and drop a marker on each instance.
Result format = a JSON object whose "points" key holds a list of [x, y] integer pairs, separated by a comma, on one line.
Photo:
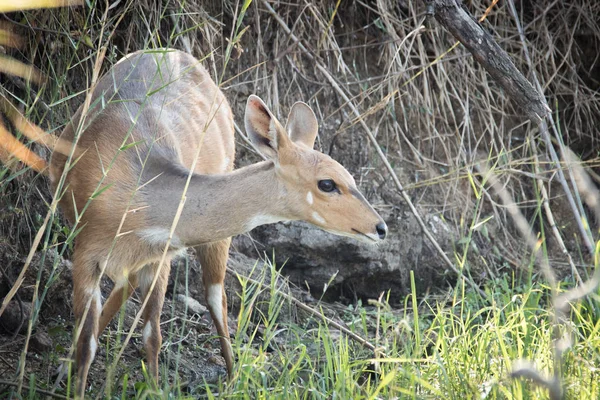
{"points": [[460, 346]]}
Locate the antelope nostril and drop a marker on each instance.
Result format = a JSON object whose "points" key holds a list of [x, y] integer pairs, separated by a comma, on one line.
{"points": [[381, 230]]}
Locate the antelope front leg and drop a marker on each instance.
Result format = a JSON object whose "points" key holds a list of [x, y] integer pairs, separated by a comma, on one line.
{"points": [[151, 332], [115, 301], [85, 288], [213, 259]]}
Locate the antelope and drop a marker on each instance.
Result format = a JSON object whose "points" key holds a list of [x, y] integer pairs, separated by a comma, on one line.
{"points": [[158, 120]]}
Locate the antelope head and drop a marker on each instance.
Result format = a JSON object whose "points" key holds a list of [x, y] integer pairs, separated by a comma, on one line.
{"points": [[316, 188]]}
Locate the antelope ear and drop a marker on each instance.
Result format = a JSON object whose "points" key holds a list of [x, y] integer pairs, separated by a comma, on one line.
{"points": [[302, 125], [263, 129]]}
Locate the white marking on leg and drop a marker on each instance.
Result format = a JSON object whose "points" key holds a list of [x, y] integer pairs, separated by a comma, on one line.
{"points": [[98, 301], [145, 278], [309, 198], [214, 298], [147, 332], [93, 347], [317, 217]]}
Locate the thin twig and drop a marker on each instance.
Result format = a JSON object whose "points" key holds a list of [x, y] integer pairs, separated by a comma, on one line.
{"points": [[37, 390], [551, 221]]}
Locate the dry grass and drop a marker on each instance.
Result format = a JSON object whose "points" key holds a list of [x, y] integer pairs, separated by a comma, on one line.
{"points": [[435, 113]]}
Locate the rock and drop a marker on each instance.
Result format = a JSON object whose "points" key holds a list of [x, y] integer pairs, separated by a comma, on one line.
{"points": [[14, 318], [346, 267], [193, 305], [41, 342]]}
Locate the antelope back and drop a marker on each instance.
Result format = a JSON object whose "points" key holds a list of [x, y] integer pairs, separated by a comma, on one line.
{"points": [[134, 131]]}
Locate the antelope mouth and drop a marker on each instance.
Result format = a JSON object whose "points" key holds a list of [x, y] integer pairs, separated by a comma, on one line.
{"points": [[363, 236]]}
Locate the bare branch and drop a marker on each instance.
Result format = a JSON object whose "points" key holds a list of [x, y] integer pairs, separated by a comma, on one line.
{"points": [[451, 15]]}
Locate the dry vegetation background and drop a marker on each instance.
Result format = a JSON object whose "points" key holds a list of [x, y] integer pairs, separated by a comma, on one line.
{"points": [[436, 114]]}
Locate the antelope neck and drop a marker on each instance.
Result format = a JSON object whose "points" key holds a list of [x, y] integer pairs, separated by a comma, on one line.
{"points": [[217, 206]]}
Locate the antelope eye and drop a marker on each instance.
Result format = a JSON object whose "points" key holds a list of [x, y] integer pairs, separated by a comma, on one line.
{"points": [[327, 185]]}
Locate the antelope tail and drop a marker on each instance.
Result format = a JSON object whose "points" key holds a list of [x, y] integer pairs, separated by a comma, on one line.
{"points": [[11, 147]]}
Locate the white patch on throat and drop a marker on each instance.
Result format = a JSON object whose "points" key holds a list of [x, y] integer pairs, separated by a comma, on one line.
{"points": [[147, 332], [259, 220], [214, 299], [159, 236], [317, 217], [309, 198]]}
